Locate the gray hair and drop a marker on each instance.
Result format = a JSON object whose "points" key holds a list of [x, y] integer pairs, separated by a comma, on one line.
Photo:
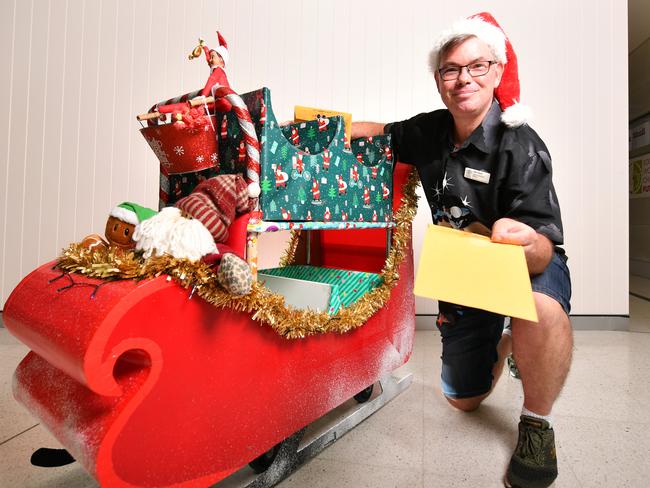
{"points": [[437, 54]]}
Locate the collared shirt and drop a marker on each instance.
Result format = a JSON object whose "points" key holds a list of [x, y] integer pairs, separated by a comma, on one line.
{"points": [[497, 172]]}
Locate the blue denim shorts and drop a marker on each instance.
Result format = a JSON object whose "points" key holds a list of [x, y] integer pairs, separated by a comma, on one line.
{"points": [[470, 336]]}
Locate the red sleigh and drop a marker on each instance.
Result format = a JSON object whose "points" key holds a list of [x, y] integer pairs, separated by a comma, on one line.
{"points": [[147, 385]]}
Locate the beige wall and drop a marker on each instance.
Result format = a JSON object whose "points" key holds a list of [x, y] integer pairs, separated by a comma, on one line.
{"points": [[76, 72]]}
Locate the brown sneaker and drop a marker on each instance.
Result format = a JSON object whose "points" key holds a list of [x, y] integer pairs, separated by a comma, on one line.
{"points": [[534, 462]]}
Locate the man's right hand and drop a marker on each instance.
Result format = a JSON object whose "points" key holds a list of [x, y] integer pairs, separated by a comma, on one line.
{"points": [[366, 129]]}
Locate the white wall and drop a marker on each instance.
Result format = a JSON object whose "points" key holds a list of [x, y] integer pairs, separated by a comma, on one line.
{"points": [[77, 72]]}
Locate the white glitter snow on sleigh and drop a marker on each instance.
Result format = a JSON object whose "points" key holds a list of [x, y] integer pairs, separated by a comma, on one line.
{"points": [[161, 382]]}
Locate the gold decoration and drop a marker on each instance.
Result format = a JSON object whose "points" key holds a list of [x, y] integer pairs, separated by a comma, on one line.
{"points": [[264, 305], [196, 52]]}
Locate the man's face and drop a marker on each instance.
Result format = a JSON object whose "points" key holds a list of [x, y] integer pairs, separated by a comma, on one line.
{"points": [[467, 95]]}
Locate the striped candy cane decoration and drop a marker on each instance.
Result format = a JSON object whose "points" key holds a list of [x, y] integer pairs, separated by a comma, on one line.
{"points": [[250, 138]]}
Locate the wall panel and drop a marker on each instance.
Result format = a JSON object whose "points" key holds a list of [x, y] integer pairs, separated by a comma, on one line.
{"points": [[78, 72]]}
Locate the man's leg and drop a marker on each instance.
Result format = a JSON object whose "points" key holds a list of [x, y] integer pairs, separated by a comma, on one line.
{"points": [[470, 404], [542, 352], [473, 352]]}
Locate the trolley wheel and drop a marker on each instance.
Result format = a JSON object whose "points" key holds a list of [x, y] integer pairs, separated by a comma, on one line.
{"points": [[263, 462], [364, 395]]}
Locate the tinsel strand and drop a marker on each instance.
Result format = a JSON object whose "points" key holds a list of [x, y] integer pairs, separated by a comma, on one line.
{"points": [[264, 305]]}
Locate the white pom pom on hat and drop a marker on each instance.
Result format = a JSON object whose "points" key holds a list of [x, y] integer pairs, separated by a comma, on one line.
{"points": [[485, 27]]}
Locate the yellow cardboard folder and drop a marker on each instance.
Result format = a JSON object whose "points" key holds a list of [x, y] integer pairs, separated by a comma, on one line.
{"points": [[469, 269], [303, 114]]}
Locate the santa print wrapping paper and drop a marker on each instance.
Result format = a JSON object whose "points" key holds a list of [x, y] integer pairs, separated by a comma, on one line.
{"points": [[307, 174]]}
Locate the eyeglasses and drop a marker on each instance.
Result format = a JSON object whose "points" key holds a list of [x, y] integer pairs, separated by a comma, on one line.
{"points": [[477, 68]]}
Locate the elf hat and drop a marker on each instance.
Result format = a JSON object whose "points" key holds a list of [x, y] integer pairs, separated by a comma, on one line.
{"points": [[221, 50], [132, 213], [485, 27]]}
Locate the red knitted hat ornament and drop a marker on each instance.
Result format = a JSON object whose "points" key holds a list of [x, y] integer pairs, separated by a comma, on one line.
{"points": [[485, 27], [216, 202]]}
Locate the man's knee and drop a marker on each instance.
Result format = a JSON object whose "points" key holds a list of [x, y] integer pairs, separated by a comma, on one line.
{"points": [[466, 404]]}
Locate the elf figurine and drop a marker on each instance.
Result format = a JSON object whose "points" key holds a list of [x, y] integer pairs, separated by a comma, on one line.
{"points": [[195, 118], [217, 59]]}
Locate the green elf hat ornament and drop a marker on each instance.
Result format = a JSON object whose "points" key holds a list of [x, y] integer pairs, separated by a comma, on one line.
{"points": [[122, 222]]}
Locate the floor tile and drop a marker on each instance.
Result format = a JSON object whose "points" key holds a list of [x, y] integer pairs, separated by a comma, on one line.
{"points": [[16, 470], [607, 453], [390, 437], [14, 419], [640, 286], [602, 426], [324, 473]]}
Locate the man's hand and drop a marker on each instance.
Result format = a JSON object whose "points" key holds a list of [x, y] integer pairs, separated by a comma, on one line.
{"points": [[538, 249], [366, 129]]}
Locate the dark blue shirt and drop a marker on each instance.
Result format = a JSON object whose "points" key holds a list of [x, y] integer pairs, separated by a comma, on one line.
{"points": [[497, 172]]}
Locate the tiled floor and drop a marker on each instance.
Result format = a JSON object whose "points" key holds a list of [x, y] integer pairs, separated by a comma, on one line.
{"points": [[601, 423]]}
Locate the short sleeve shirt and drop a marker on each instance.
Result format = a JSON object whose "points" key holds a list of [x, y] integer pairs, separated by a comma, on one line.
{"points": [[497, 172]]}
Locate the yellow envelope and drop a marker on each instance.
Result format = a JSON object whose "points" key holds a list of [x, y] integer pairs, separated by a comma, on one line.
{"points": [[303, 114], [468, 269]]}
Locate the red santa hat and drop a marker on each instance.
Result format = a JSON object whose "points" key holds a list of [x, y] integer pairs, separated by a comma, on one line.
{"points": [[485, 27]]}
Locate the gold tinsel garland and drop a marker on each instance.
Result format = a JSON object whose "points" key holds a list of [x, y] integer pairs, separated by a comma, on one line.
{"points": [[264, 305]]}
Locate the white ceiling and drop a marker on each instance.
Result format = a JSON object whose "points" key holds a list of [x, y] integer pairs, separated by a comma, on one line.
{"points": [[638, 22]]}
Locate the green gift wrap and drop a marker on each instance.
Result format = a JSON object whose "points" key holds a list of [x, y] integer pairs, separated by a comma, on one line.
{"points": [[346, 286], [307, 173]]}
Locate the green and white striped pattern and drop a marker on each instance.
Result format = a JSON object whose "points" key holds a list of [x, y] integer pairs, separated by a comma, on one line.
{"points": [[347, 286]]}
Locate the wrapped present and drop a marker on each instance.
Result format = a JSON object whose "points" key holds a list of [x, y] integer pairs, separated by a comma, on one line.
{"points": [[306, 171], [344, 288], [306, 174]]}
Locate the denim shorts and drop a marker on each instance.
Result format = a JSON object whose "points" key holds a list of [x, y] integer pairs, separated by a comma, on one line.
{"points": [[470, 336]]}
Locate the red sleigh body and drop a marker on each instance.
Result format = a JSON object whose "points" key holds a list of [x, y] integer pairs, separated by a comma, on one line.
{"points": [[146, 386]]}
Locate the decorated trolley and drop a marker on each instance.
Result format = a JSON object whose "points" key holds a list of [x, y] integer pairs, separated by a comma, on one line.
{"points": [[151, 374]]}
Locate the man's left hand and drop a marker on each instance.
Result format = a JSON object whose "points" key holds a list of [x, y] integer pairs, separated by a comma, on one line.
{"points": [[538, 249]]}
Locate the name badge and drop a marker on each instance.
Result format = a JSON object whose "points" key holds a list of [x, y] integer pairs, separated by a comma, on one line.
{"points": [[477, 175]]}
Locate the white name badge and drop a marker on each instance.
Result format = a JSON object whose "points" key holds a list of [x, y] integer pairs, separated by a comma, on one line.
{"points": [[477, 175]]}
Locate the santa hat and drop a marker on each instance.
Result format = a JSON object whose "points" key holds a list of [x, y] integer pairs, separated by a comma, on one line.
{"points": [[485, 27], [221, 50], [215, 202], [132, 213]]}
